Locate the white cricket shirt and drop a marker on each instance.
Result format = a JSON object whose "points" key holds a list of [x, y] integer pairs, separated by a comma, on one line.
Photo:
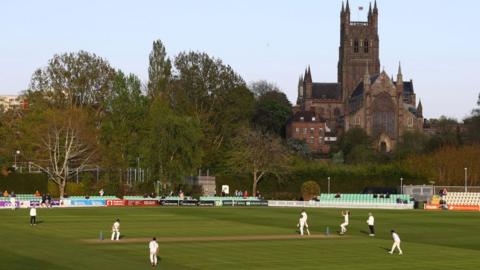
{"points": [[370, 221], [116, 226], [33, 212], [153, 246], [396, 238]]}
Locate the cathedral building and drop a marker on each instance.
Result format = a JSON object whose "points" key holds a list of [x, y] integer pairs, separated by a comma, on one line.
{"points": [[363, 96]]}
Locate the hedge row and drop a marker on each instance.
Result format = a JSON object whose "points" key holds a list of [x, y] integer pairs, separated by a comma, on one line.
{"points": [[24, 183], [343, 179]]}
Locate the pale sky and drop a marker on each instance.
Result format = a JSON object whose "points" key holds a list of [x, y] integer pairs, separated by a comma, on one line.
{"points": [[437, 41]]}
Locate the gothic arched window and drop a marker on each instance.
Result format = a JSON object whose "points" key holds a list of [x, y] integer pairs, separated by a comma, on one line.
{"points": [[384, 116], [355, 46], [365, 46]]}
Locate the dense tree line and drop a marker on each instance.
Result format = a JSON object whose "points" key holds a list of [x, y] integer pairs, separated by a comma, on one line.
{"points": [[192, 113]]}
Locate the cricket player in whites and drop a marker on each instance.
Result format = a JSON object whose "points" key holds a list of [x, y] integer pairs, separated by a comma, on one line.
{"points": [[116, 230], [153, 246], [343, 226], [396, 243], [371, 224], [302, 222]]}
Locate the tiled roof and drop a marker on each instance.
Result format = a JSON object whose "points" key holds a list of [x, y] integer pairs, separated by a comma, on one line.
{"points": [[326, 91], [306, 116]]}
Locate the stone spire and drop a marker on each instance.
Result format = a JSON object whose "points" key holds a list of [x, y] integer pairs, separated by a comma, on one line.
{"points": [[309, 75], [399, 74], [420, 109]]}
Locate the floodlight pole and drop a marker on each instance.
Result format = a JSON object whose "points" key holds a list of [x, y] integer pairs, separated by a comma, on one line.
{"points": [[328, 184], [401, 185], [466, 179], [15, 156]]}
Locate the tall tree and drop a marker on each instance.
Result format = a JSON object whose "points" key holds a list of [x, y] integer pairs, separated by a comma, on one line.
{"points": [[74, 79], [159, 70], [272, 108], [172, 147], [214, 95], [259, 154], [123, 127], [59, 142], [261, 87]]}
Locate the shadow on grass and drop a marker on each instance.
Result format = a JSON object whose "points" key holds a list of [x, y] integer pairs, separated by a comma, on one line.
{"points": [[384, 248]]}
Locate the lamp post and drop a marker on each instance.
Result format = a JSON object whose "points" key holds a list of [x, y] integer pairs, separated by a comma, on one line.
{"points": [[401, 185], [15, 157], [328, 184], [466, 179]]}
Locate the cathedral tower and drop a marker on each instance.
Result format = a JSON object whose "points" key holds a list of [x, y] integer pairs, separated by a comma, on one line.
{"points": [[359, 49]]}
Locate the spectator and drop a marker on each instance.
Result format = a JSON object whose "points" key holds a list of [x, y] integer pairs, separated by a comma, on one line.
{"points": [[375, 196], [236, 193], [387, 195], [443, 193], [5, 194], [181, 195], [44, 201], [245, 194], [337, 195], [258, 194], [37, 193], [49, 200], [382, 196], [101, 192]]}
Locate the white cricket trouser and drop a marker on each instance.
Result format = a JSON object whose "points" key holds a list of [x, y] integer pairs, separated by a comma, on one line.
{"points": [[303, 224], [13, 204], [344, 227], [153, 258], [396, 245], [115, 235]]}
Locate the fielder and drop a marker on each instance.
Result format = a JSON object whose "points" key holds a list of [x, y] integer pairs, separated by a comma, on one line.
{"points": [[116, 230], [371, 224], [153, 246], [343, 226], [396, 243], [33, 216], [302, 222]]}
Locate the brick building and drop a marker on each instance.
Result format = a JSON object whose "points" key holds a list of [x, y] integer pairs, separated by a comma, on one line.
{"points": [[363, 96], [304, 125]]}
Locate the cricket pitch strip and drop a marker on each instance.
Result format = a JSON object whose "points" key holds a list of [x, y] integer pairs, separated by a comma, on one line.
{"points": [[213, 238]]}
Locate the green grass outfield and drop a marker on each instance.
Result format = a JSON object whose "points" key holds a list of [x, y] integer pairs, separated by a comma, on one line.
{"points": [[430, 240]]}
